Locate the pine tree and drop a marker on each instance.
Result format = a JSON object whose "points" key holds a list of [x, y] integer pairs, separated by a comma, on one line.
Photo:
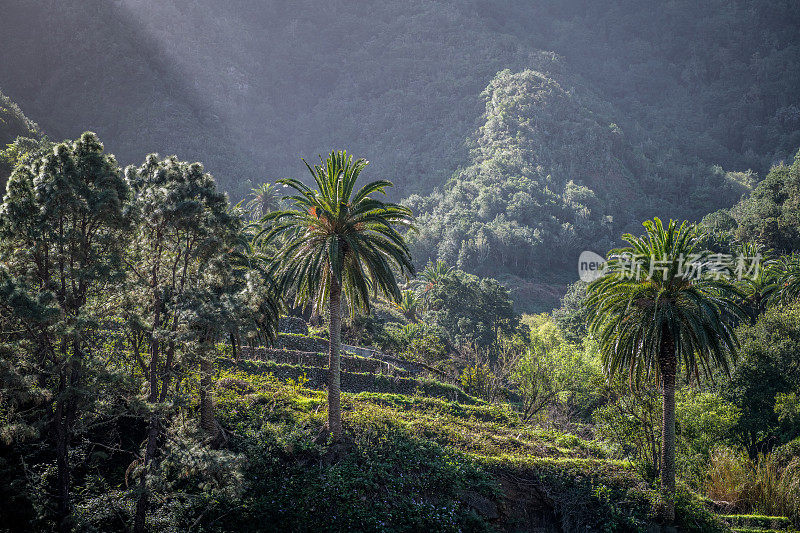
{"points": [[182, 289], [62, 226]]}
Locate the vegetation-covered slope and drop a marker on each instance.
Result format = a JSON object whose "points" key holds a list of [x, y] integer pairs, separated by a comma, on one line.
{"points": [[408, 463], [603, 119], [13, 124], [400, 82], [550, 176], [120, 410]]}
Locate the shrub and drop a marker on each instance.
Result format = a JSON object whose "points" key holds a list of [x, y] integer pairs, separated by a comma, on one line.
{"points": [[773, 489], [478, 380], [704, 421]]}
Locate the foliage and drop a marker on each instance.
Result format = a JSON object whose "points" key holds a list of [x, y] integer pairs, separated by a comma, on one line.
{"points": [[727, 476], [262, 200], [339, 233], [486, 222], [766, 368], [479, 381], [421, 342], [765, 485], [555, 377], [635, 314], [64, 223], [472, 311], [642, 120], [408, 304], [631, 424], [771, 215], [787, 407], [338, 245], [17, 134], [572, 316], [181, 293], [431, 275], [704, 419]]}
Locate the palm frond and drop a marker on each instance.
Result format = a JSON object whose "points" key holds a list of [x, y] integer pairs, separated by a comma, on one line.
{"points": [[633, 310], [331, 233]]}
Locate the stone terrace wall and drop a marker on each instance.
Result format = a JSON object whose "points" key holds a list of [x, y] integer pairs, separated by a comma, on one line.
{"points": [[354, 382], [292, 324], [302, 343], [314, 359]]}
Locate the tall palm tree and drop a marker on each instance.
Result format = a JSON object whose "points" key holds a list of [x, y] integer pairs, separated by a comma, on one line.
{"points": [[653, 320], [340, 245]]}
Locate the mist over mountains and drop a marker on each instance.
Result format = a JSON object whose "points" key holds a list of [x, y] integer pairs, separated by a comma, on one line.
{"points": [[522, 131]]}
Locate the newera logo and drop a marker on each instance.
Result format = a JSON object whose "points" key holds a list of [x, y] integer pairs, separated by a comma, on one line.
{"points": [[591, 266]]}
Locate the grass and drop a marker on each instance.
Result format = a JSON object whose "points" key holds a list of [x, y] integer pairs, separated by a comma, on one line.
{"points": [[765, 485], [377, 382], [755, 522], [748, 529]]}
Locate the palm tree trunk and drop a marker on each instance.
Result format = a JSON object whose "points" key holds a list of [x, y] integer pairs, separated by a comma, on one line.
{"points": [[334, 361], [668, 363]]}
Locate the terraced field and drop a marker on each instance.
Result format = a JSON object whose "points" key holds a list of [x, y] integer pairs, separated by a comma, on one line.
{"points": [[420, 453]]}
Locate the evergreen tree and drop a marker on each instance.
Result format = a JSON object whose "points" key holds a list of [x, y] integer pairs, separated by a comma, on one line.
{"points": [[184, 231], [62, 227]]}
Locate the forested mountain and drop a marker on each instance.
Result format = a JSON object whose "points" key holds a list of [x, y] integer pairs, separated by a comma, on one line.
{"points": [[526, 130]]}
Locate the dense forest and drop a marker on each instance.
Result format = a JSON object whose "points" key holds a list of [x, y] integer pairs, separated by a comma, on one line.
{"points": [[201, 331], [608, 117]]}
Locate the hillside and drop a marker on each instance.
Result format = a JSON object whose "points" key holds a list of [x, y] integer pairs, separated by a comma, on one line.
{"points": [[171, 362], [404, 89], [412, 460], [600, 120], [13, 124], [550, 176]]}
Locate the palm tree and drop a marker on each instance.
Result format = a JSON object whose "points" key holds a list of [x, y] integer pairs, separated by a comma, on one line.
{"points": [[787, 276], [759, 286], [339, 245], [408, 304], [262, 200], [649, 325], [432, 275]]}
